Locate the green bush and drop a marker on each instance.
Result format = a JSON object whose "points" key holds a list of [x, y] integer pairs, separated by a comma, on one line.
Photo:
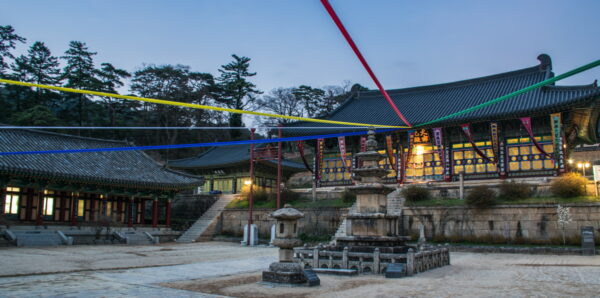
{"points": [[512, 191], [569, 185], [348, 196], [415, 193], [481, 197], [288, 196]]}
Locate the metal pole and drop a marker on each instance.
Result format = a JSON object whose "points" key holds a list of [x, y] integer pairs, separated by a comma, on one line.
{"points": [[279, 169], [250, 202]]}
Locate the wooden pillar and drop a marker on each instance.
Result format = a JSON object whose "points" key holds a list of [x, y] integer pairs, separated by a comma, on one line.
{"points": [[74, 208], [92, 207], [40, 209], [154, 212], [119, 210], [130, 213], [168, 215], [29, 206], [2, 198], [63, 209], [142, 211]]}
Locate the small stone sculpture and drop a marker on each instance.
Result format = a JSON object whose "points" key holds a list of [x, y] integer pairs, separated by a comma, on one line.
{"points": [[286, 271]]}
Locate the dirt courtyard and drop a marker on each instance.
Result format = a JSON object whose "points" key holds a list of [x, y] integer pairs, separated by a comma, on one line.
{"points": [[227, 269]]}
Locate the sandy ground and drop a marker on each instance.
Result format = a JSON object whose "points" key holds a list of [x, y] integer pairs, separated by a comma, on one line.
{"points": [[470, 275], [214, 268], [25, 261]]}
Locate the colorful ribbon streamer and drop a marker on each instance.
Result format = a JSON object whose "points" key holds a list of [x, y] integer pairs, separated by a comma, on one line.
{"points": [[466, 129], [188, 105], [300, 146], [362, 59], [526, 121], [196, 145]]}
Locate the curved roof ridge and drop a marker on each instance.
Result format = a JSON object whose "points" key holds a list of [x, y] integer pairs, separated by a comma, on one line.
{"points": [[460, 83], [58, 134]]}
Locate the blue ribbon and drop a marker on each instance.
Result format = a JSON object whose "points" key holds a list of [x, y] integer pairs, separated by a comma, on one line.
{"points": [[196, 145]]}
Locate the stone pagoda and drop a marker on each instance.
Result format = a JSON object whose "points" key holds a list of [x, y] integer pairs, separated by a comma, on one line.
{"points": [[373, 242], [371, 225]]}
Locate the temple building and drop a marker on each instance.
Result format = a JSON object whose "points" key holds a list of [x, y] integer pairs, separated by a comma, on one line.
{"points": [[528, 135], [227, 169], [78, 189]]}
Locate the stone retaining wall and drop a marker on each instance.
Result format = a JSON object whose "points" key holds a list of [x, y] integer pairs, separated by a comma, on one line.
{"points": [[501, 224], [316, 221]]}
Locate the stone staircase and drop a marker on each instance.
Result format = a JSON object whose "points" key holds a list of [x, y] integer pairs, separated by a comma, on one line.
{"points": [[203, 229], [341, 231], [40, 238], [394, 206], [138, 238]]}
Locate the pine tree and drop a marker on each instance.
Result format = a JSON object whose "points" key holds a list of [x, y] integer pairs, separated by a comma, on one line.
{"points": [[8, 41], [234, 90], [79, 73], [111, 79], [39, 67]]}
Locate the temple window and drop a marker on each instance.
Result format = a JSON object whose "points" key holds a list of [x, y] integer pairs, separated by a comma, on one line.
{"points": [[524, 156], [11, 203], [466, 160], [48, 206]]}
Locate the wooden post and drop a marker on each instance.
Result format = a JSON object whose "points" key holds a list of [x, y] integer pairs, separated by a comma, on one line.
{"points": [[279, 168], [63, 209], [250, 205], [155, 212], [74, 209], [40, 209], [29, 207], [2, 198], [119, 209], [168, 217], [92, 207], [130, 213], [142, 211], [461, 189]]}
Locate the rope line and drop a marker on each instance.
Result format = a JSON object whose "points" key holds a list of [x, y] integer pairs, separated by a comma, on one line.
{"points": [[190, 105], [362, 59], [174, 127], [196, 145]]}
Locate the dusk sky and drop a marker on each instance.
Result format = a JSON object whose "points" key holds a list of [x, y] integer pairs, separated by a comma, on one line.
{"points": [[407, 43]]}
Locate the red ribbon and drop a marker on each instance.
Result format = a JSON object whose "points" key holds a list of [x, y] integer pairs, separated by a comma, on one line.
{"points": [[340, 26], [526, 121], [466, 129], [300, 145]]}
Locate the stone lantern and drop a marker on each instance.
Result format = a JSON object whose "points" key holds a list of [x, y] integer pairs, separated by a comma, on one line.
{"points": [[286, 226]]}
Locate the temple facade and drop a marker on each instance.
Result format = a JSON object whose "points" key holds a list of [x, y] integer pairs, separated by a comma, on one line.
{"points": [[227, 169], [529, 135], [127, 188]]}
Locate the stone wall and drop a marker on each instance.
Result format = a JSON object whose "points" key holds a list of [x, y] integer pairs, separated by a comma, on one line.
{"points": [[501, 224], [316, 221]]}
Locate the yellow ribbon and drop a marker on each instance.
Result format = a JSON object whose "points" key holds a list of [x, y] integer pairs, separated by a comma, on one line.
{"points": [[190, 105]]}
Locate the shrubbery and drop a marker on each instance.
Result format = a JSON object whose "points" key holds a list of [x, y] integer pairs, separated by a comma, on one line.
{"points": [[415, 193], [569, 185], [481, 197], [348, 196], [512, 191]]}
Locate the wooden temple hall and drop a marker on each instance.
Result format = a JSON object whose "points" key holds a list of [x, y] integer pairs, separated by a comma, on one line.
{"points": [[124, 187], [527, 135]]}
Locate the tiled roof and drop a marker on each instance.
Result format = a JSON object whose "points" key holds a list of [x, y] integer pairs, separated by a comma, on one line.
{"points": [[227, 156], [426, 103], [129, 169]]}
